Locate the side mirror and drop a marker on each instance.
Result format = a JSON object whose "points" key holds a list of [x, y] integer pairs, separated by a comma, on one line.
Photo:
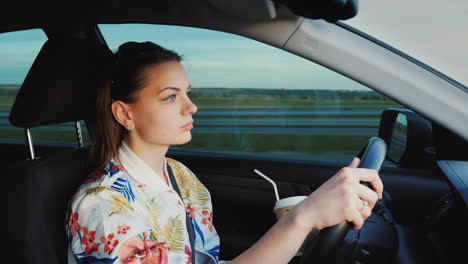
{"points": [[409, 138], [399, 139]]}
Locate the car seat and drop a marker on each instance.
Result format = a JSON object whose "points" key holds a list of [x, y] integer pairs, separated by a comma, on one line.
{"points": [[60, 87]]}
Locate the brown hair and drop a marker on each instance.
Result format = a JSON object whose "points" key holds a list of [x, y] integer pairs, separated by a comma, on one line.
{"points": [[125, 79]]}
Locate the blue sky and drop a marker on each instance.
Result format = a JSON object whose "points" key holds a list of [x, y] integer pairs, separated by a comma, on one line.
{"points": [[217, 59], [438, 36]]}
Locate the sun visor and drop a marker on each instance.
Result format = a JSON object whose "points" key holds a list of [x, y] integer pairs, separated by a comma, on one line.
{"points": [[250, 9], [61, 84], [329, 10]]}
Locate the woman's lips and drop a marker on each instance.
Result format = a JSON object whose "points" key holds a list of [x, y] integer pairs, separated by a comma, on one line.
{"points": [[188, 125]]}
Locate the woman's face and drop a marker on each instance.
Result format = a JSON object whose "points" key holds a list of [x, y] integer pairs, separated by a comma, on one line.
{"points": [[162, 112]]}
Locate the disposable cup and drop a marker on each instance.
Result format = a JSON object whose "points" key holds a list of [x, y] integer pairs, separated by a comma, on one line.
{"points": [[283, 206]]}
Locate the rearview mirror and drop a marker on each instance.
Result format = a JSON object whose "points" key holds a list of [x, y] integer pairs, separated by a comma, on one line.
{"points": [[408, 137]]}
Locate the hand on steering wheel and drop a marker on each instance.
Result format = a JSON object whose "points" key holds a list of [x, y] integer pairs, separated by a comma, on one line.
{"points": [[343, 202]]}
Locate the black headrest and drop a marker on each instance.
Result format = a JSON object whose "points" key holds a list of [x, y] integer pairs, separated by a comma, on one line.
{"points": [[61, 84]]}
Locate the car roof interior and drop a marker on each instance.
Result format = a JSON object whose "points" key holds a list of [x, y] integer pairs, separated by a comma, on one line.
{"points": [[205, 14]]}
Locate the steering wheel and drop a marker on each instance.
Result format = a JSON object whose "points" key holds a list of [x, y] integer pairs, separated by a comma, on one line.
{"points": [[320, 245]]}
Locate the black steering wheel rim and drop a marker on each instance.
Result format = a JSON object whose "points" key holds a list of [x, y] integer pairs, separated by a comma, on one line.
{"points": [[325, 242]]}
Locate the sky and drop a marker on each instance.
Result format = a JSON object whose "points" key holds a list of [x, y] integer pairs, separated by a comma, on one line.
{"points": [[437, 34]]}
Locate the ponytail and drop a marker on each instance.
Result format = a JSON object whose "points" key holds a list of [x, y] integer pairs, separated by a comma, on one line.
{"points": [[108, 133]]}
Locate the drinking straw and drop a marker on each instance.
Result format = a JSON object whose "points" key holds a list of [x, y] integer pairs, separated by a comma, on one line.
{"points": [[272, 182]]}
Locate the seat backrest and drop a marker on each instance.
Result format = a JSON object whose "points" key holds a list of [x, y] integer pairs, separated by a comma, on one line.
{"points": [[60, 87], [42, 189]]}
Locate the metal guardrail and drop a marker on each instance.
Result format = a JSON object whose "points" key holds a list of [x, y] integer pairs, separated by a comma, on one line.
{"points": [[282, 120]]}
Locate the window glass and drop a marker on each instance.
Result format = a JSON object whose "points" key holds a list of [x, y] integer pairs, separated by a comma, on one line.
{"points": [[432, 31], [60, 133], [254, 99], [18, 51]]}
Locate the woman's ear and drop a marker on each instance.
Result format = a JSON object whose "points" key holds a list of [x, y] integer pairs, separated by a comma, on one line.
{"points": [[121, 113]]}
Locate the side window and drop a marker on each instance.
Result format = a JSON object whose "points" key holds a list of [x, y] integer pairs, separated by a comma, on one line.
{"points": [[254, 99], [17, 53]]}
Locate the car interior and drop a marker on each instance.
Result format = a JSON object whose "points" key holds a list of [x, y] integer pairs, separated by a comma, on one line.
{"points": [[420, 220]]}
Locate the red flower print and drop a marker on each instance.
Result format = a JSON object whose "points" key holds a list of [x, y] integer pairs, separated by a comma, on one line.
{"points": [[123, 229], [189, 254], [73, 223], [137, 250], [88, 240], [179, 202], [190, 211], [117, 167], [96, 176], [207, 213], [207, 220], [109, 242], [162, 251]]}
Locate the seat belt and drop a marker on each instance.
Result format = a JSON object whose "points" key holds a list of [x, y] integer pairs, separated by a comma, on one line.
{"points": [[190, 230]]}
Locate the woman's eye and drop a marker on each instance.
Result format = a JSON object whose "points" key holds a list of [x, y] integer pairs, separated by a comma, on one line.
{"points": [[170, 98]]}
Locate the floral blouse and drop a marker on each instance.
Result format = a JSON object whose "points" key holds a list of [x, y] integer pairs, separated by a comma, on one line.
{"points": [[126, 213]]}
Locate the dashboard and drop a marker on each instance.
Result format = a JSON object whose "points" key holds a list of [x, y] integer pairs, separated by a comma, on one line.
{"points": [[457, 174]]}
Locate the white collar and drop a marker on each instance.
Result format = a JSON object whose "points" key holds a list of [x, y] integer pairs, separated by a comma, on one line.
{"points": [[140, 171]]}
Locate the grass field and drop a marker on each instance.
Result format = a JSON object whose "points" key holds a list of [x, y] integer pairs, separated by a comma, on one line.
{"points": [[338, 149], [272, 142], [234, 97], [292, 146], [268, 102], [6, 100], [43, 135]]}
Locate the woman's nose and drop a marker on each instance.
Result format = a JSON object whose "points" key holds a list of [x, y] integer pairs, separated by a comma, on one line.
{"points": [[189, 107]]}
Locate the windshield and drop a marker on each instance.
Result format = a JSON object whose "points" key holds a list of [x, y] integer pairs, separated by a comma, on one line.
{"points": [[432, 31]]}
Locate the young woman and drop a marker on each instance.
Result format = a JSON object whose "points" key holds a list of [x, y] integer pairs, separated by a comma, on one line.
{"points": [[130, 211]]}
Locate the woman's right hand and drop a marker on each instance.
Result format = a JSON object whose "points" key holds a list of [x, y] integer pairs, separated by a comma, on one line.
{"points": [[340, 199]]}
